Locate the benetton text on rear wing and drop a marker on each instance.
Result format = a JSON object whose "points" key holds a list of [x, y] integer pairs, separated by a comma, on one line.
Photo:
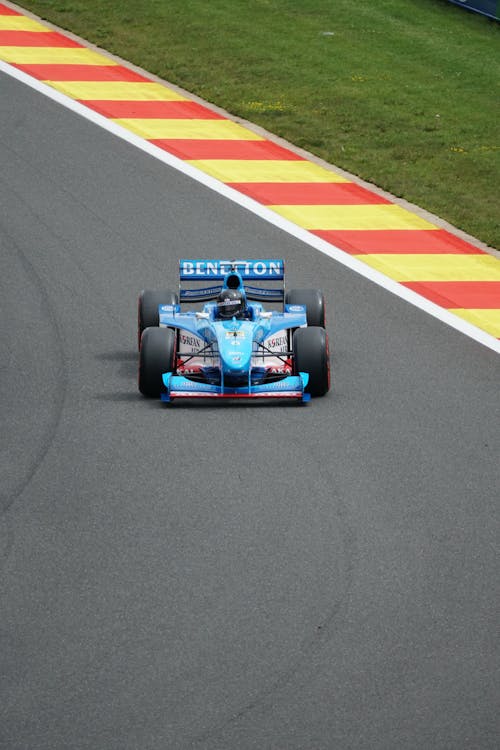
{"points": [[216, 270]]}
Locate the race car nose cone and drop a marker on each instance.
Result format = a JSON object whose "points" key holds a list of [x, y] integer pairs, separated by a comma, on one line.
{"points": [[235, 346]]}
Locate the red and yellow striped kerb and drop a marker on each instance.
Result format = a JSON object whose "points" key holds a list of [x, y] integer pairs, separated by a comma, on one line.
{"points": [[431, 261]]}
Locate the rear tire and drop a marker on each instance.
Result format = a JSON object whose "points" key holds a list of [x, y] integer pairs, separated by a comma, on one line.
{"points": [[311, 355], [314, 301], [147, 308], [156, 356]]}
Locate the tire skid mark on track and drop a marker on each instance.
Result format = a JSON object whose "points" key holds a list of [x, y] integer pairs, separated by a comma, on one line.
{"points": [[312, 643], [6, 538], [59, 386]]}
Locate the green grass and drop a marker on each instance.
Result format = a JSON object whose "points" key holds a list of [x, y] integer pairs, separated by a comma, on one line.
{"points": [[404, 93]]}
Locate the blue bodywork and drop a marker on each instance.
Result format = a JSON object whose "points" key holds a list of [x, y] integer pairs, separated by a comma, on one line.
{"points": [[231, 345]]}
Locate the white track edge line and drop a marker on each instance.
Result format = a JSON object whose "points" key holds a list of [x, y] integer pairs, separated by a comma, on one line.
{"points": [[256, 208]]}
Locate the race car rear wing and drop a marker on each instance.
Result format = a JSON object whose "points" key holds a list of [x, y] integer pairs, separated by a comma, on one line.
{"points": [[217, 270]]}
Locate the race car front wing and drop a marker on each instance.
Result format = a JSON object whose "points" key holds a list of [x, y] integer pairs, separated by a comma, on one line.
{"points": [[292, 386]]}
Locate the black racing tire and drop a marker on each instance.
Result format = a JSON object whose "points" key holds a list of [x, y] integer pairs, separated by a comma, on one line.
{"points": [[311, 354], [156, 356], [147, 308], [314, 301]]}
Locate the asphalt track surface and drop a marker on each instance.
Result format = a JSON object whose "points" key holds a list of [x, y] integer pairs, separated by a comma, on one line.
{"points": [[227, 576]]}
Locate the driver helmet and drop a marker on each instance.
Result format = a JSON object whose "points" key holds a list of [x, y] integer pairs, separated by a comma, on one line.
{"points": [[230, 303]]}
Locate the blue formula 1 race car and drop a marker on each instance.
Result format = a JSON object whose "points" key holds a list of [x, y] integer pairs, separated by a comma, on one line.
{"points": [[232, 347]]}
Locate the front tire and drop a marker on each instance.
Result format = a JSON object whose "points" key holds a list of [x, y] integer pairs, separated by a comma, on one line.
{"points": [[311, 355], [147, 308], [314, 301], [156, 356]]}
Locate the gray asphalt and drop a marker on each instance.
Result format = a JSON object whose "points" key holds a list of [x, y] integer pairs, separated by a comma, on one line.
{"points": [[221, 577]]}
